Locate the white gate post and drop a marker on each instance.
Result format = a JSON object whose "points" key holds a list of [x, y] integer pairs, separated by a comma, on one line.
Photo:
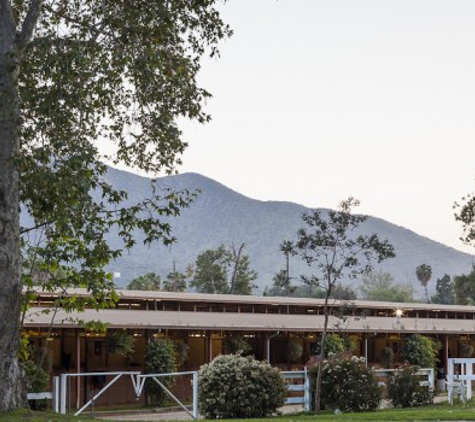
{"points": [[195, 395], [55, 403], [64, 389]]}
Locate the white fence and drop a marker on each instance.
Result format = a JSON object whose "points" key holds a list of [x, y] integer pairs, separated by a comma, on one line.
{"points": [[48, 395], [427, 373], [297, 382], [462, 370], [303, 386], [138, 381]]}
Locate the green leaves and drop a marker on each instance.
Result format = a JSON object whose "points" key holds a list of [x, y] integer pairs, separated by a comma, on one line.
{"points": [[223, 271], [105, 81], [331, 246]]}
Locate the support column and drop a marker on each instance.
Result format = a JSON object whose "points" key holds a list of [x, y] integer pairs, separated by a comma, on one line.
{"points": [[209, 339], [366, 350], [446, 363], [267, 348], [78, 369]]}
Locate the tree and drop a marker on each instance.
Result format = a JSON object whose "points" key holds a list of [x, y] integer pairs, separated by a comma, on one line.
{"points": [[380, 286], [210, 273], [75, 75], [176, 281], [466, 215], [148, 281], [464, 288], [423, 274], [242, 279], [223, 271], [332, 249], [444, 291], [281, 285]]}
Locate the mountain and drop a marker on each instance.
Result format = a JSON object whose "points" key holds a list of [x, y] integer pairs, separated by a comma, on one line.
{"points": [[220, 215]]}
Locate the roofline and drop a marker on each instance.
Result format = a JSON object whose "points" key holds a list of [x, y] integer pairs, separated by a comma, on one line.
{"points": [[265, 300]]}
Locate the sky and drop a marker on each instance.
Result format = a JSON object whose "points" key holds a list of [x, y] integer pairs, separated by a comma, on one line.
{"points": [[317, 100]]}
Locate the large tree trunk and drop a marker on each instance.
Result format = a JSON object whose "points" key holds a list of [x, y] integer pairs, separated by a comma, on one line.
{"points": [[12, 392]]}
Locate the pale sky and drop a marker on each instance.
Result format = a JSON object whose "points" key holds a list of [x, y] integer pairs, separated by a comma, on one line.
{"points": [[314, 101]]}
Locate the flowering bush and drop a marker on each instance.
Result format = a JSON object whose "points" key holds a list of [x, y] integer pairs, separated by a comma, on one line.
{"points": [[234, 386], [405, 390], [348, 385]]}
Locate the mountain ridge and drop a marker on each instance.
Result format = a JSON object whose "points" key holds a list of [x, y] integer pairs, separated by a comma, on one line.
{"points": [[221, 215]]}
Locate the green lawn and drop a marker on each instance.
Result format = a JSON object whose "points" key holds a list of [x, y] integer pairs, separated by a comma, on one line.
{"points": [[438, 412]]}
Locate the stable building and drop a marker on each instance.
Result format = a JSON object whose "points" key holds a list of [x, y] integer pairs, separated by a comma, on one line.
{"points": [[205, 323]]}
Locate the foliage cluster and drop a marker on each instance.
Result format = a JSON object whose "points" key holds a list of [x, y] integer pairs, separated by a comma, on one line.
{"points": [[444, 291], [149, 281], [120, 342], [238, 387], [236, 343], [37, 380], [421, 351], [464, 288], [160, 357], [424, 274], [331, 245], [224, 271], [347, 384], [380, 286], [334, 344], [36, 363], [404, 389]]}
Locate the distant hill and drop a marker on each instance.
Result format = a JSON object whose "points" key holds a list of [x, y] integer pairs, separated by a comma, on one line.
{"points": [[220, 215]]}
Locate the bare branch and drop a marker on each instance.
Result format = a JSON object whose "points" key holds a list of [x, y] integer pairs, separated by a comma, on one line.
{"points": [[38, 226]]}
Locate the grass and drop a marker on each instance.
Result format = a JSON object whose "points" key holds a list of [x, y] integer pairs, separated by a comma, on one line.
{"points": [[26, 415], [436, 412]]}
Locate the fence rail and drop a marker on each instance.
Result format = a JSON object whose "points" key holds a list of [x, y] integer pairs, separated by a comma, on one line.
{"points": [[303, 387]]}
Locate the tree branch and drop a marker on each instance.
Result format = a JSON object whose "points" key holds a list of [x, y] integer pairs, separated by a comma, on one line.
{"points": [[30, 22]]}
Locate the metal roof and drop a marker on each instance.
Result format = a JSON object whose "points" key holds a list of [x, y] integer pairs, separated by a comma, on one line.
{"points": [[140, 319], [269, 300]]}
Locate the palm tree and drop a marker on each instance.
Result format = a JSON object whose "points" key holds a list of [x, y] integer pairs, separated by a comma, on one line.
{"points": [[424, 273]]}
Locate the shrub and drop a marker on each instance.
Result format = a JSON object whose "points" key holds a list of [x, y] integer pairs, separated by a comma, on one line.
{"points": [[120, 342], [420, 351], [237, 344], [37, 381], [160, 357], [404, 389], [238, 387], [347, 384], [294, 351], [37, 363], [334, 345]]}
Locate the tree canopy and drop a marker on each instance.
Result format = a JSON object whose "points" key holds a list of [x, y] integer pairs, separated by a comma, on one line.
{"points": [[176, 281], [148, 281], [83, 83], [444, 291], [331, 246], [223, 271], [380, 286], [464, 288], [424, 274]]}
